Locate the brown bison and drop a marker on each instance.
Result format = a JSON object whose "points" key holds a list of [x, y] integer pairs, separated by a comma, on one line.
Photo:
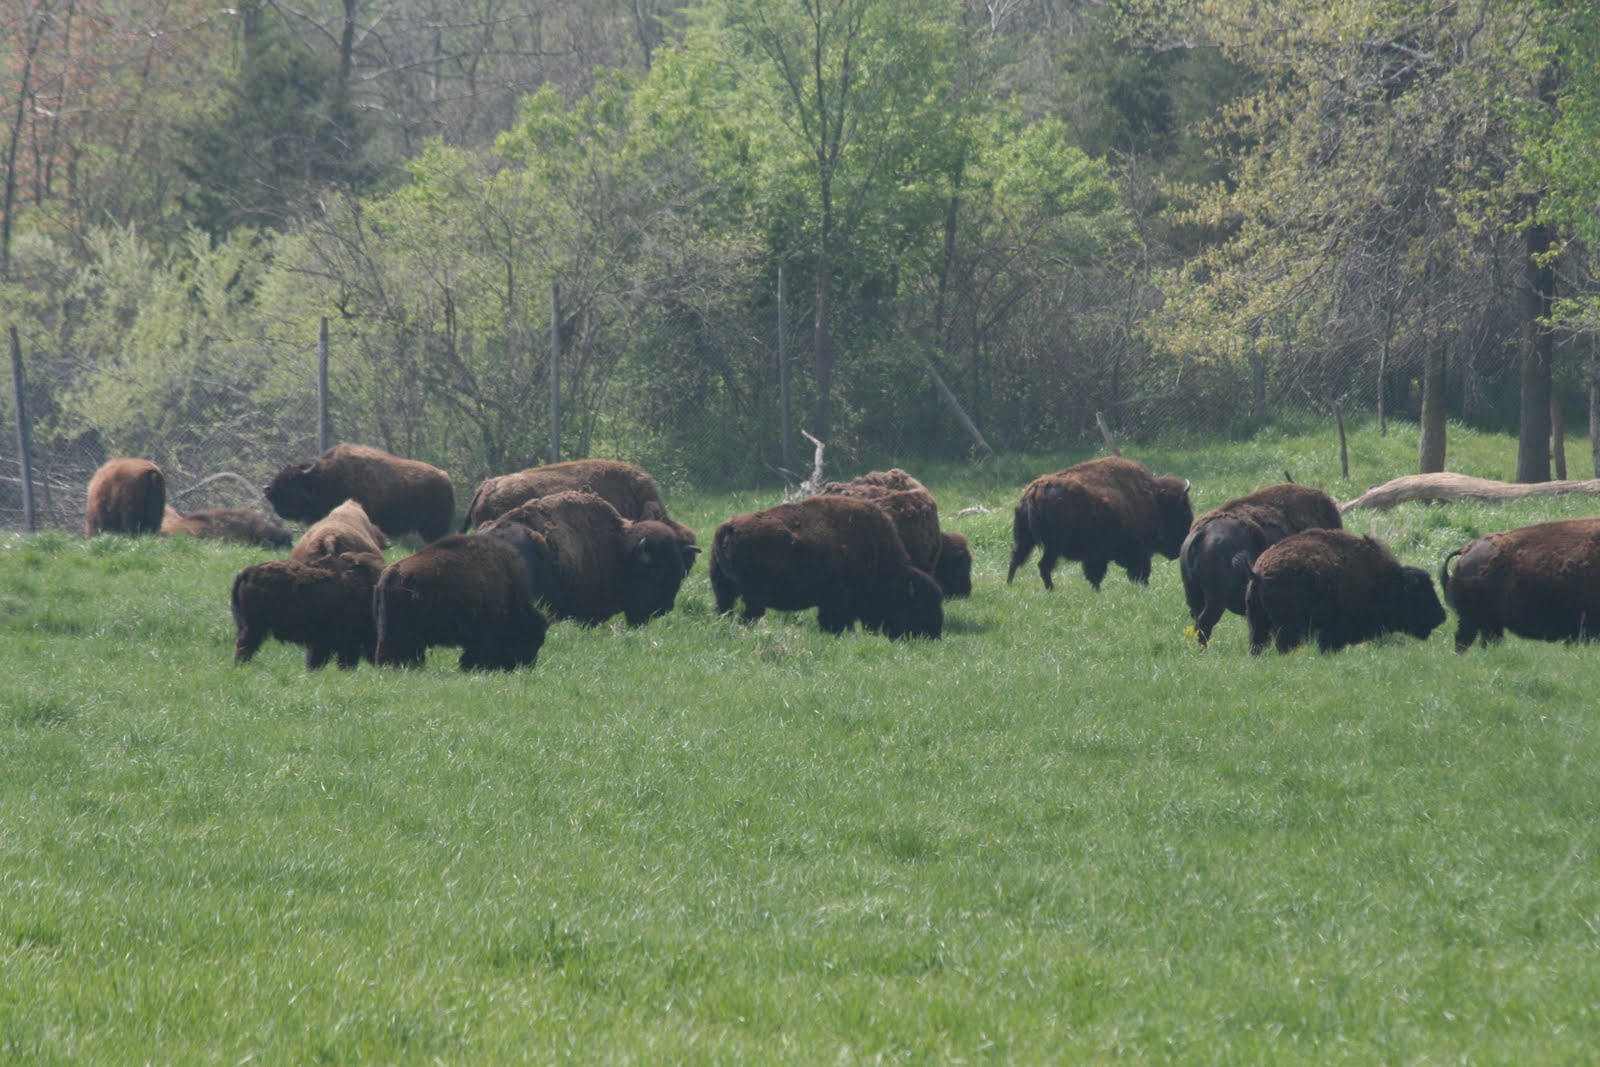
{"points": [[226, 524], [344, 529], [835, 553], [472, 591], [325, 606], [399, 495], [592, 563], [1101, 512], [916, 519], [953, 572], [1345, 588], [1540, 581], [126, 496], [1222, 544]]}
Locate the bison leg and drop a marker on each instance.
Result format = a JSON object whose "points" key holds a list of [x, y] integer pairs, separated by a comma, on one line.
{"points": [[1205, 620], [1466, 634], [1138, 570], [833, 613], [248, 643], [1292, 633], [724, 589], [1019, 556], [317, 656], [1095, 571]]}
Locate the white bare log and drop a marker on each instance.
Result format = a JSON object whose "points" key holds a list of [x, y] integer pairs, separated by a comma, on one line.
{"points": [[1454, 488]]}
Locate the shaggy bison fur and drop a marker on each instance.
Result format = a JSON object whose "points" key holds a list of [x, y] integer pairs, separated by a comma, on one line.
{"points": [[1540, 581], [472, 591], [916, 519], [953, 572], [126, 496], [344, 529], [591, 563], [838, 554], [1223, 543], [226, 524], [399, 495], [325, 606], [1345, 588], [1101, 512]]}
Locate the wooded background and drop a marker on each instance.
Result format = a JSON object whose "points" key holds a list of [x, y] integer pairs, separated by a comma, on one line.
{"points": [[992, 219]]}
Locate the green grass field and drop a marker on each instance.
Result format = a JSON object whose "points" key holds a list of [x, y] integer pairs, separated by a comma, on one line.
{"points": [[1061, 834]]}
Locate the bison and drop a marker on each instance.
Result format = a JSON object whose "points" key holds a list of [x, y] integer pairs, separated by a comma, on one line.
{"points": [[945, 555], [344, 529], [226, 524], [126, 496], [325, 606], [1345, 588], [593, 564], [1101, 512], [1222, 544], [399, 495], [468, 590], [838, 554], [1540, 581], [953, 572]]}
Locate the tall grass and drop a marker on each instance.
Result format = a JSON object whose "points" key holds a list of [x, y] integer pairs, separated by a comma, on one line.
{"points": [[1062, 833]]}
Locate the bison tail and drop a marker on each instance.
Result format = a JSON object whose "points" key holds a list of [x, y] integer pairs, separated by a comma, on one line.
{"points": [[1444, 576], [1241, 564], [1023, 537]]}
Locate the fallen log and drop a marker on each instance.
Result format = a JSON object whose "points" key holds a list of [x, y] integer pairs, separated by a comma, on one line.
{"points": [[1444, 488]]}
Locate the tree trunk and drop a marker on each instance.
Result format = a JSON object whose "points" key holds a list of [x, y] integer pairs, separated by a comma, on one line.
{"points": [[1594, 404], [819, 339], [1533, 434], [1558, 437], [1431, 451]]}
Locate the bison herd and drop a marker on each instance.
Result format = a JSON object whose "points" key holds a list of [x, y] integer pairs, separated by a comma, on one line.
{"points": [[589, 540]]}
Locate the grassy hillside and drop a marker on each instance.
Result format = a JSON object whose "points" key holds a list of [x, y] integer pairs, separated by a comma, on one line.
{"points": [[1061, 833]]}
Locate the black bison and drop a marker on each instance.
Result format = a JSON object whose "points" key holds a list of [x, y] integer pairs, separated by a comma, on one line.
{"points": [[399, 495], [591, 563], [126, 496], [837, 554], [344, 529], [226, 524], [1343, 587], [325, 606], [1223, 543], [1101, 512], [472, 591], [953, 572], [1540, 581]]}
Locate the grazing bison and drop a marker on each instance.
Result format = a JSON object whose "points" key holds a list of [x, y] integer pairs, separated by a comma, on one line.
{"points": [[953, 572], [325, 606], [226, 524], [398, 494], [1223, 543], [1101, 512], [468, 590], [835, 553], [1540, 581], [125, 496], [592, 563], [946, 556], [1345, 588], [344, 529]]}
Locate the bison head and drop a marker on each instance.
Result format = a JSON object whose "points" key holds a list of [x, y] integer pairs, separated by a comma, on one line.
{"points": [[1174, 515], [912, 605], [1414, 605], [657, 560], [953, 571], [293, 493]]}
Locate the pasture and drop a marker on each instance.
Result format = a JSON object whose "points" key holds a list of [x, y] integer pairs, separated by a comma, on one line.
{"points": [[1062, 833]]}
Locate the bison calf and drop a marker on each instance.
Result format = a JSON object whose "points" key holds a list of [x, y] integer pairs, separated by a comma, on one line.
{"points": [[1223, 543], [1101, 512], [1345, 588], [325, 606], [837, 554], [470, 591], [398, 494], [125, 496], [1540, 581]]}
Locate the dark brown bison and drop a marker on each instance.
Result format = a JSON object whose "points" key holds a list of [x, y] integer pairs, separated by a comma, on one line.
{"points": [[1344, 588], [226, 524], [1223, 543], [344, 529], [472, 591], [1101, 512], [591, 563], [399, 495], [837, 554], [126, 496], [1540, 581], [953, 572], [325, 606], [945, 555]]}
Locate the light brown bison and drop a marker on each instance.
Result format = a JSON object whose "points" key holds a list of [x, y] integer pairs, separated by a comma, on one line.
{"points": [[344, 529], [837, 554], [1540, 581], [226, 524], [472, 591], [125, 496], [591, 563], [399, 495], [1101, 512], [1222, 544], [325, 606], [1344, 588]]}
